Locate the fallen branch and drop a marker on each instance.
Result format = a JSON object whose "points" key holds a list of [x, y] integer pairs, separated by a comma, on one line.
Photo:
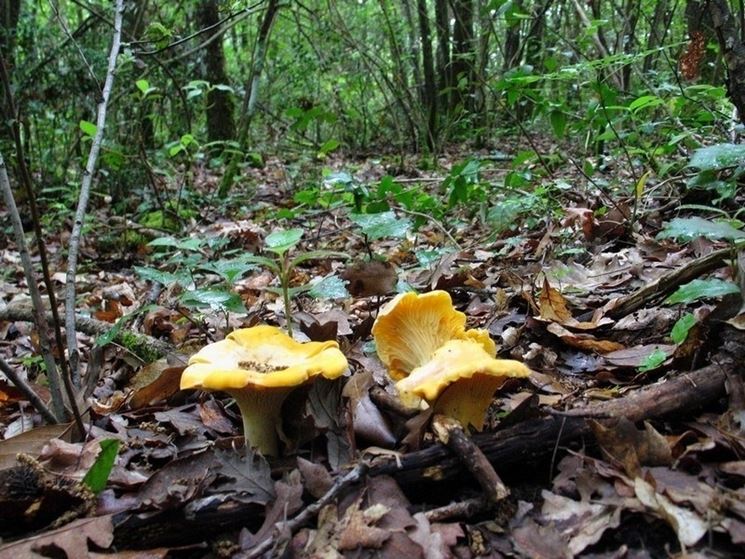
{"points": [[666, 284], [308, 513], [93, 327]]}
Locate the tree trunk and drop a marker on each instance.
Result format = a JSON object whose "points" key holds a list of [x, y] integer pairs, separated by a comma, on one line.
{"points": [[252, 92], [733, 52], [464, 55], [10, 10], [628, 38], [657, 31], [220, 124], [442, 21], [429, 92]]}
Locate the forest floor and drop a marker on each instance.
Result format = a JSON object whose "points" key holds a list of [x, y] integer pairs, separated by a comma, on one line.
{"points": [[627, 439]]}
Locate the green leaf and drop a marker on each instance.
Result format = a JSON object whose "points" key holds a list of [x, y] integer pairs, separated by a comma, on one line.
{"points": [[193, 245], [720, 156], [701, 289], [229, 270], [164, 278], [216, 299], [330, 287], [653, 360], [688, 228], [680, 330], [88, 128], [98, 475], [329, 146], [282, 240], [143, 86], [558, 123], [380, 225], [644, 102]]}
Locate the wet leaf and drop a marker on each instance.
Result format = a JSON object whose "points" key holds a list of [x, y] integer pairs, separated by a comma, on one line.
{"points": [[381, 225], [717, 157], [702, 289], [688, 228], [98, 475]]}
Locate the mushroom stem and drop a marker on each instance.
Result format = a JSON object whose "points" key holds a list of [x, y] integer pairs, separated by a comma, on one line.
{"points": [[468, 399], [262, 416]]}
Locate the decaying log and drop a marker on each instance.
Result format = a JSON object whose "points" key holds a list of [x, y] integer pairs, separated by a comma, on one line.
{"points": [[93, 327]]}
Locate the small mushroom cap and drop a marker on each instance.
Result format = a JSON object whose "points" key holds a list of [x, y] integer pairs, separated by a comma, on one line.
{"points": [[455, 360], [460, 380], [412, 327], [264, 357]]}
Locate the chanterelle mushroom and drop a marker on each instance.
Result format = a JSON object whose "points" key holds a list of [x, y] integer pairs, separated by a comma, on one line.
{"points": [[423, 341], [259, 366]]}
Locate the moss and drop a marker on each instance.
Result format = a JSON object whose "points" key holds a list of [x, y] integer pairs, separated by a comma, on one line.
{"points": [[139, 347]]}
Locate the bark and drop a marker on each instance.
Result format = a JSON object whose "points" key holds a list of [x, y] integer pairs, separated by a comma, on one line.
{"points": [[511, 47], [252, 95], [464, 55], [442, 21], [657, 32], [37, 313], [10, 11], [220, 124], [733, 52], [85, 188], [628, 38], [429, 91]]}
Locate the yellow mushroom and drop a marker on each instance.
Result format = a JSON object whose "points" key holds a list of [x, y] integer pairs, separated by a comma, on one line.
{"points": [[411, 327], [459, 381], [424, 343], [259, 367]]}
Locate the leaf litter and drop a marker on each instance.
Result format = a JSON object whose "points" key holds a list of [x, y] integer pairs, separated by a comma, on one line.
{"points": [[630, 484]]}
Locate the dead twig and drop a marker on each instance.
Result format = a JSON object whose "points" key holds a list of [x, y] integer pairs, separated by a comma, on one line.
{"points": [[342, 482], [85, 188], [28, 392], [450, 433], [666, 284]]}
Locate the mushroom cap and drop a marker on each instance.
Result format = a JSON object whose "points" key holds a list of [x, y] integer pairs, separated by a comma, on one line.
{"points": [[457, 359], [460, 380], [411, 328], [263, 357]]}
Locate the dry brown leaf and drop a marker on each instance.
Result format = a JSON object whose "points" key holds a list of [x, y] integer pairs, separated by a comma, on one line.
{"points": [[635, 356], [688, 526], [625, 444], [155, 382], [70, 540], [369, 278], [31, 442], [585, 342]]}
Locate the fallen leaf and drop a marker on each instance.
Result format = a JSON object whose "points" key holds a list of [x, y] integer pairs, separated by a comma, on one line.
{"points": [[585, 342], [369, 278], [71, 540], [688, 526], [31, 442]]}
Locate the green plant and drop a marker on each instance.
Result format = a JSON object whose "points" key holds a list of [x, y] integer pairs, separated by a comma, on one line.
{"points": [[280, 243]]}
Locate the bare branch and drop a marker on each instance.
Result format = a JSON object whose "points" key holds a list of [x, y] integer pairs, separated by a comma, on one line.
{"points": [[85, 188]]}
